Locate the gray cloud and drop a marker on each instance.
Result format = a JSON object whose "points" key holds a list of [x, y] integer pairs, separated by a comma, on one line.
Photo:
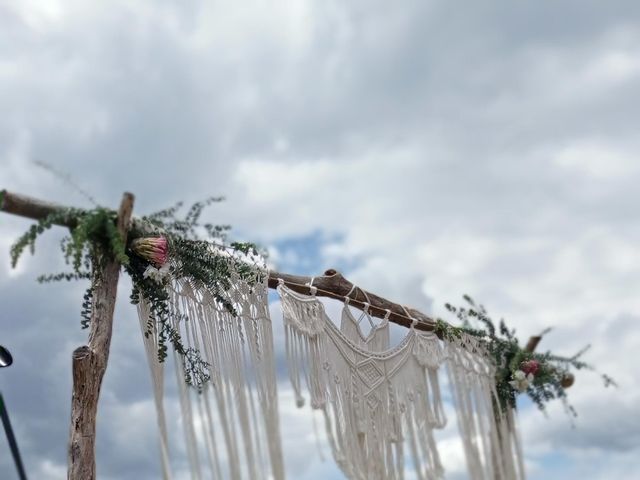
{"points": [[429, 150]]}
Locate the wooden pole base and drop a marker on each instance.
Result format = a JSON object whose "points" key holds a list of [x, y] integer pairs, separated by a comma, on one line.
{"points": [[89, 362]]}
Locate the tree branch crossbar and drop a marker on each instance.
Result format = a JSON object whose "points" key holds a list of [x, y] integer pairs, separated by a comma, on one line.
{"points": [[332, 284], [90, 361]]}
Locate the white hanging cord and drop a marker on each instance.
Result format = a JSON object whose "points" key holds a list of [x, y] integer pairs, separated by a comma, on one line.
{"points": [[312, 289], [241, 399], [347, 299], [365, 311], [365, 305], [414, 321]]}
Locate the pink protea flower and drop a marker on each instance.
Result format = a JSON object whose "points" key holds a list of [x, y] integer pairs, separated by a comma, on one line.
{"points": [[530, 367], [152, 249]]}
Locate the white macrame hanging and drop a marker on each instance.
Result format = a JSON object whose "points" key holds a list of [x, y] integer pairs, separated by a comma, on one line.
{"points": [[489, 435], [157, 379], [231, 427], [380, 404]]}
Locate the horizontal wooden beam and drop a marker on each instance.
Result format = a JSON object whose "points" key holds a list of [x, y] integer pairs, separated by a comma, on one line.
{"points": [[30, 207], [333, 285]]}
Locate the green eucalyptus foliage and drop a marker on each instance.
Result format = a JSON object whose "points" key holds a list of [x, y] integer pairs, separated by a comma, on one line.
{"points": [[156, 295], [94, 237], [508, 356], [194, 259]]}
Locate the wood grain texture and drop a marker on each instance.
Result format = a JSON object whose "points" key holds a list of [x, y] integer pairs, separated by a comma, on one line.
{"points": [[533, 342], [89, 362], [29, 207]]}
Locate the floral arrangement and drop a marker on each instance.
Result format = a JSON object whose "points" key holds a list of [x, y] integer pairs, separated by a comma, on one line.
{"points": [[542, 376], [162, 246]]}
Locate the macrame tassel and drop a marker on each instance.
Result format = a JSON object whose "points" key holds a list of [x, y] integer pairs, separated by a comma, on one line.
{"points": [[489, 436], [305, 348], [375, 402], [156, 368], [188, 420], [231, 422], [510, 445]]}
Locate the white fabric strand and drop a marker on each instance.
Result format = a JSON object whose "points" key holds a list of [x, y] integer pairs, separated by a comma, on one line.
{"points": [[489, 436], [380, 405], [375, 400], [157, 377], [231, 427]]}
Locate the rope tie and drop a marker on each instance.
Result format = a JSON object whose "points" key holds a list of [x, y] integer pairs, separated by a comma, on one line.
{"points": [[414, 321], [347, 297], [312, 289]]}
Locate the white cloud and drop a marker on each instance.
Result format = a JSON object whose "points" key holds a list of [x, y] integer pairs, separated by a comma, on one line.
{"points": [[51, 471], [430, 151], [597, 161]]}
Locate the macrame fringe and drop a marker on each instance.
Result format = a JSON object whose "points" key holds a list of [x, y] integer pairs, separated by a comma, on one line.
{"points": [[231, 426], [489, 435], [156, 368], [380, 405]]}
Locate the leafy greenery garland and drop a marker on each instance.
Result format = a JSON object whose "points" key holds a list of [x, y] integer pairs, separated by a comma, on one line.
{"points": [[94, 237], [550, 374], [94, 232]]}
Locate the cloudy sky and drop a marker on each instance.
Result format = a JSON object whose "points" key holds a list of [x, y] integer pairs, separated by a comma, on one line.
{"points": [[427, 150]]}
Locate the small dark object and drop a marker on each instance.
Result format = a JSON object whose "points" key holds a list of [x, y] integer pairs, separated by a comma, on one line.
{"points": [[567, 380], [5, 360], [13, 445], [5, 357]]}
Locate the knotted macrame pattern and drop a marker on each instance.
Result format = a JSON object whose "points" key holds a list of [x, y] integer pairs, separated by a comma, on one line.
{"points": [[380, 405]]}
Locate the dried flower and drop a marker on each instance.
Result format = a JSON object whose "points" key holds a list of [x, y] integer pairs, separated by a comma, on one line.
{"points": [[521, 380], [530, 367], [152, 249], [567, 380], [157, 274]]}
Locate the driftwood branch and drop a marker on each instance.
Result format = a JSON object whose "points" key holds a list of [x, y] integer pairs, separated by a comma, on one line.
{"points": [[333, 285], [533, 342], [30, 207], [90, 361]]}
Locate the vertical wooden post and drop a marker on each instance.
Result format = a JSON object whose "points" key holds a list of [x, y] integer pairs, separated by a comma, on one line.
{"points": [[90, 361]]}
